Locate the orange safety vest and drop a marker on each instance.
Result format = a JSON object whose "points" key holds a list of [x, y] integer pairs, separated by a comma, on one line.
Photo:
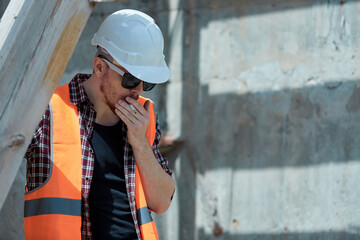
{"points": [[53, 210]]}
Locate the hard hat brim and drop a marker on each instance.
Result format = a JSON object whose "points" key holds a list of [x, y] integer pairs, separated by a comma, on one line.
{"points": [[150, 74]]}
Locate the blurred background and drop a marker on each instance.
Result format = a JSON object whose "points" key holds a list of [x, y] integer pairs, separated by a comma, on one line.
{"points": [[261, 116]]}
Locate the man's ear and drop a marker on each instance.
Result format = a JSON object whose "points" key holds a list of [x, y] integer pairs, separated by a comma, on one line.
{"points": [[100, 67]]}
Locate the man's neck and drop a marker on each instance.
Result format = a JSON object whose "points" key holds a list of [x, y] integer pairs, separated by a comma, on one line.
{"points": [[106, 118], [104, 115]]}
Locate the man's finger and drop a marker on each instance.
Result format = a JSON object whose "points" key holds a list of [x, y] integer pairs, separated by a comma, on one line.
{"points": [[147, 105], [127, 112], [132, 108], [124, 118], [139, 108]]}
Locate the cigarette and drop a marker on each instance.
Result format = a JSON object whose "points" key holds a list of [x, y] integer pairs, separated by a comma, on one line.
{"points": [[132, 107]]}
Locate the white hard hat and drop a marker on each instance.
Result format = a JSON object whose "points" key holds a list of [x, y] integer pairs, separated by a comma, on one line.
{"points": [[135, 41]]}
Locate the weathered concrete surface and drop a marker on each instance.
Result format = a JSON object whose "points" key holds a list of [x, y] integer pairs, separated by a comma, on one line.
{"points": [[271, 140], [3, 6], [266, 96]]}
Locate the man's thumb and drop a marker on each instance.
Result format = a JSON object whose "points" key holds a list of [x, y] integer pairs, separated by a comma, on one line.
{"points": [[147, 105]]}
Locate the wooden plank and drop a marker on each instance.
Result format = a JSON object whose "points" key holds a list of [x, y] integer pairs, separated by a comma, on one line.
{"points": [[37, 38], [12, 212]]}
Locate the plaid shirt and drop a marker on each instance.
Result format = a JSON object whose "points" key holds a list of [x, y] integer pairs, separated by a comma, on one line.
{"points": [[38, 154]]}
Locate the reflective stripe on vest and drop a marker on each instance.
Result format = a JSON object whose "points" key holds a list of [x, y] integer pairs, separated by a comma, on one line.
{"points": [[42, 206], [143, 215], [53, 211]]}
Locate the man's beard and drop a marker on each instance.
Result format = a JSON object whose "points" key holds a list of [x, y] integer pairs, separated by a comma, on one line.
{"points": [[112, 105]]}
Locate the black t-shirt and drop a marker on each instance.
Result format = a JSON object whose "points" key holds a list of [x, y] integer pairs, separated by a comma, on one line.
{"points": [[110, 213]]}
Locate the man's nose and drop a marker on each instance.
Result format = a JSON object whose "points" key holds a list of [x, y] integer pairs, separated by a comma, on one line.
{"points": [[138, 89]]}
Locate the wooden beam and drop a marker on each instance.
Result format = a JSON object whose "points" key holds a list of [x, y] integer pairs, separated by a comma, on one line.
{"points": [[37, 38]]}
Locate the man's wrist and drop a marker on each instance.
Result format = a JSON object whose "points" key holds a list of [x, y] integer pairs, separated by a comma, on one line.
{"points": [[141, 146]]}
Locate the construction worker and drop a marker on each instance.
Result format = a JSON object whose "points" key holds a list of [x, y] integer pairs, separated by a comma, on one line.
{"points": [[93, 167]]}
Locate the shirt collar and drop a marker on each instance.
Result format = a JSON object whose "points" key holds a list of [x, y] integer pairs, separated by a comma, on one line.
{"points": [[77, 91]]}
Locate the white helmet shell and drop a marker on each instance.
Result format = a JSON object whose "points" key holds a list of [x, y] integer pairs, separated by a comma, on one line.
{"points": [[134, 40]]}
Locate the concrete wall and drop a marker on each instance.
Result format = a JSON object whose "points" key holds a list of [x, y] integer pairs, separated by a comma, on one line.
{"points": [[3, 6], [269, 110], [265, 95]]}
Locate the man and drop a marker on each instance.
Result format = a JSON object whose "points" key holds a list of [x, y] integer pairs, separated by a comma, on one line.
{"points": [[93, 167]]}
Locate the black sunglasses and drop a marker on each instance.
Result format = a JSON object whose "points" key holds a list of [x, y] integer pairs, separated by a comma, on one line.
{"points": [[129, 81]]}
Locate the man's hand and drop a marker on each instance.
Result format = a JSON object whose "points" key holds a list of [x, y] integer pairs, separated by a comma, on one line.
{"points": [[136, 118], [158, 185]]}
